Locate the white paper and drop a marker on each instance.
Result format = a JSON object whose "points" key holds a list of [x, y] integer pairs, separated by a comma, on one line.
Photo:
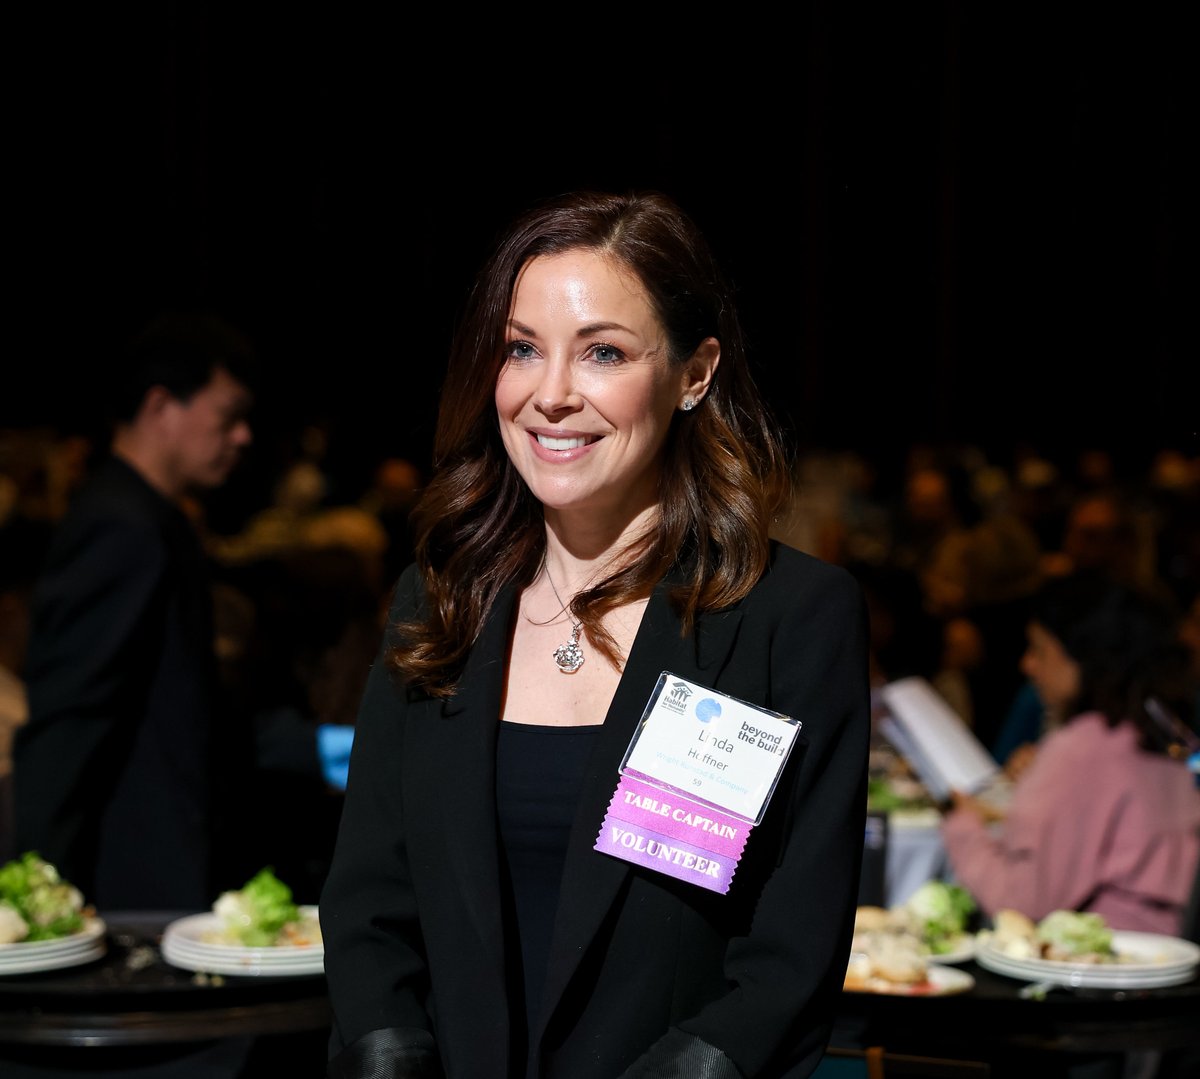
{"points": [[941, 748]]}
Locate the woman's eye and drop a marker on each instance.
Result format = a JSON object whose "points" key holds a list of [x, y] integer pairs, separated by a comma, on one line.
{"points": [[607, 354], [520, 350]]}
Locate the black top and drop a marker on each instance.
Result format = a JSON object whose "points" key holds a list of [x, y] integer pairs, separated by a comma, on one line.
{"points": [[539, 774]]}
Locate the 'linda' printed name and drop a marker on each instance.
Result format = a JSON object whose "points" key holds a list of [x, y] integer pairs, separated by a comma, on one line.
{"points": [[675, 855], [684, 816]]}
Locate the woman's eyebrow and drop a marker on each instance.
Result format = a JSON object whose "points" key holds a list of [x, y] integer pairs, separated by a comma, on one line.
{"points": [[601, 327], [583, 331]]}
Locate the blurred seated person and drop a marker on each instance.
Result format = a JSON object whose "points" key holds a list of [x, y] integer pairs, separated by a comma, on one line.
{"points": [[1174, 511], [395, 486], [962, 655], [297, 495], [1041, 497], [1026, 720], [935, 505], [977, 582], [1102, 819], [1104, 534]]}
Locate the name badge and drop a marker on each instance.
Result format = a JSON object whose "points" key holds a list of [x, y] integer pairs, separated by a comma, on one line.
{"points": [[696, 778]]}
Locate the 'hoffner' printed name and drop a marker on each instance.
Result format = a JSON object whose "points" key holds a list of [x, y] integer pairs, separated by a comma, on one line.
{"points": [[760, 739]]}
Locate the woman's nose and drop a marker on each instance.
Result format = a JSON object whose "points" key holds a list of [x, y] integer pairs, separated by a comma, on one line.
{"points": [[556, 391]]}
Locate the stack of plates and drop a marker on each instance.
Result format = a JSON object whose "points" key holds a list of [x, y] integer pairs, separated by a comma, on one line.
{"points": [[1146, 960], [26, 957], [185, 944]]}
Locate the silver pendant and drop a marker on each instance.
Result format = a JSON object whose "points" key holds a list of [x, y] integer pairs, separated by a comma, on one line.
{"points": [[569, 656]]}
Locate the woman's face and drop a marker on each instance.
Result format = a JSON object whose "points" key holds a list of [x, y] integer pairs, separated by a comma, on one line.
{"points": [[587, 391], [1054, 674]]}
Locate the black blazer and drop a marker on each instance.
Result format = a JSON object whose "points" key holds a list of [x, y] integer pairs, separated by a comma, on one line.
{"points": [[648, 976]]}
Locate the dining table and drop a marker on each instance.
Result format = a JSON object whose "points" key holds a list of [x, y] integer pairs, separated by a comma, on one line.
{"points": [[131, 1012], [1010, 1028]]}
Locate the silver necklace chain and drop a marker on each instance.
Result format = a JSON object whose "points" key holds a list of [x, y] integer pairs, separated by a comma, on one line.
{"points": [[568, 656]]}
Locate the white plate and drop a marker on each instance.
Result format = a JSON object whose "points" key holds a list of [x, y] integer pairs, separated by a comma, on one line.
{"points": [[33, 964], [93, 929], [259, 955], [22, 950], [184, 945], [307, 964], [1147, 960], [195, 930], [940, 982], [245, 967], [26, 957]]}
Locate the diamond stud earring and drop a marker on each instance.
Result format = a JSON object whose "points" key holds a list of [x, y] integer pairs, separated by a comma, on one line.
{"points": [[689, 403]]}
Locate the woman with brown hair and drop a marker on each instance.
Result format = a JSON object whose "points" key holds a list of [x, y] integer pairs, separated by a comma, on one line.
{"points": [[607, 795], [1104, 815]]}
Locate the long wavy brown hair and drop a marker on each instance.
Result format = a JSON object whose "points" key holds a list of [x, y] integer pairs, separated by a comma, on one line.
{"points": [[478, 529]]}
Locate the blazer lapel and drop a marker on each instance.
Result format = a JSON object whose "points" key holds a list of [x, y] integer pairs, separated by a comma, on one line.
{"points": [[454, 759], [591, 880]]}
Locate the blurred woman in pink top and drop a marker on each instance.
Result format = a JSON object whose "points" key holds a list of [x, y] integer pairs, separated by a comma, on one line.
{"points": [[1103, 819]]}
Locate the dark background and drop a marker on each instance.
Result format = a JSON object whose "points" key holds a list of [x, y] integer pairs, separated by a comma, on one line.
{"points": [[947, 223]]}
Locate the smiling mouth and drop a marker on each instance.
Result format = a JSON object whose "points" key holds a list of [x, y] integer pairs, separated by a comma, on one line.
{"points": [[572, 443]]}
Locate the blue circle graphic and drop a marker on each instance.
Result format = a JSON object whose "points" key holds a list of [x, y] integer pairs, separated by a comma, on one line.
{"points": [[707, 709]]}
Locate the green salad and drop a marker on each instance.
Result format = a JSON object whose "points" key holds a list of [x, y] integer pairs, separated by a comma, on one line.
{"points": [[1070, 933], [36, 903], [258, 915], [890, 794], [941, 912]]}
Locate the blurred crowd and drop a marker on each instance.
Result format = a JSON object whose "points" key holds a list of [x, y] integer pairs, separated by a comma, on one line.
{"points": [[949, 544]]}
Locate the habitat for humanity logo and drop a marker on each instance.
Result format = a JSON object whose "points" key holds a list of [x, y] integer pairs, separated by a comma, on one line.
{"points": [[677, 697]]}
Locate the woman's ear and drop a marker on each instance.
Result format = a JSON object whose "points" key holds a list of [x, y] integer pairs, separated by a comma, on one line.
{"points": [[699, 373]]}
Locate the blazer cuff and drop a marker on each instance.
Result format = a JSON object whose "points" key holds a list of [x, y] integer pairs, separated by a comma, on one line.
{"points": [[391, 1053], [677, 1055]]}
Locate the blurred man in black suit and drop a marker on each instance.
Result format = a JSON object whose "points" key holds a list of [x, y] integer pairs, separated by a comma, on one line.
{"points": [[117, 771]]}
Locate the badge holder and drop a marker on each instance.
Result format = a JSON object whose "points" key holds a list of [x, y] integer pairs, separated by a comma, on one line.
{"points": [[696, 778]]}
